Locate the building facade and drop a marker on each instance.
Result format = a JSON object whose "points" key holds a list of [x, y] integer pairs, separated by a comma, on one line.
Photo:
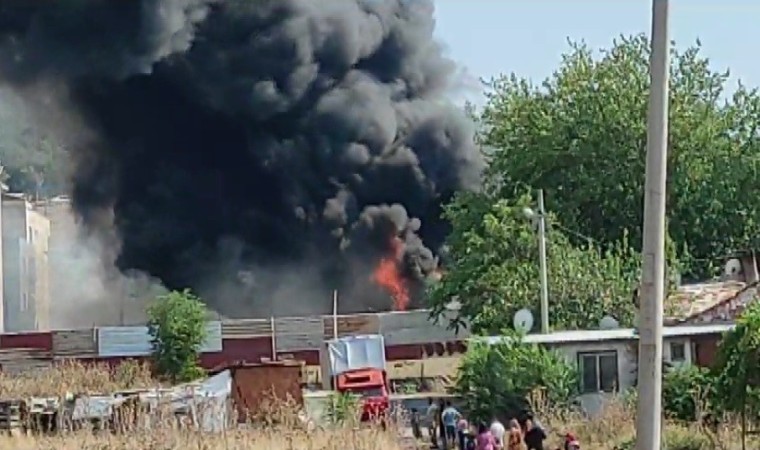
{"points": [[26, 287]]}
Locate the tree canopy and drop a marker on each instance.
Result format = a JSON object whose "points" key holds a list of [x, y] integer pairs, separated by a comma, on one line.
{"points": [[581, 135], [492, 269]]}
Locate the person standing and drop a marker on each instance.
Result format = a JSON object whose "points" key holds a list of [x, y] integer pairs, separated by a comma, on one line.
{"points": [[515, 440], [485, 440], [450, 416], [432, 417], [498, 431], [534, 434], [462, 428]]}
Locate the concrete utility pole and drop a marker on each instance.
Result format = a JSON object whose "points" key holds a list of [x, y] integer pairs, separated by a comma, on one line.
{"points": [[649, 415], [542, 263]]}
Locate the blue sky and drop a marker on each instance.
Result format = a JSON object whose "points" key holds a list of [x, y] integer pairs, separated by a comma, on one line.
{"points": [[489, 37]]}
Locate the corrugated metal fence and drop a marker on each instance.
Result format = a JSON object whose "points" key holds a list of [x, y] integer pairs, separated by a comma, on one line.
{"points": [[398, 328], [298, 333], [135, 341]]}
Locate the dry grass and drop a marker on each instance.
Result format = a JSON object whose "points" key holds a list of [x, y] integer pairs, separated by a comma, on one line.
{"points": [[167, 434], [612, 429], [168, 439], [76, 378]]}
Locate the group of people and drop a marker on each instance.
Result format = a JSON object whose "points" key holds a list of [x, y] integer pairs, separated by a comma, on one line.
{"points": [[448, 428]]}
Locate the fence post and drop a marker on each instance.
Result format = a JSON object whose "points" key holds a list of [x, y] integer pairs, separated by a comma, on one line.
{"points": [[274, 339]]}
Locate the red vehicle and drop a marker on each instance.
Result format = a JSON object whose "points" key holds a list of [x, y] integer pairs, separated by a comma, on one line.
{"points": [[358, 365], [372, 386]]}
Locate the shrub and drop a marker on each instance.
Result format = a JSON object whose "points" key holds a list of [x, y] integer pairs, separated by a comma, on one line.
{"points": [[687, 392], [344, 408], [177, 326], [497, 379]]}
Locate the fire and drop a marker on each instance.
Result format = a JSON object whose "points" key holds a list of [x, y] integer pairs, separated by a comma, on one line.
{"points": [[388, 276]]}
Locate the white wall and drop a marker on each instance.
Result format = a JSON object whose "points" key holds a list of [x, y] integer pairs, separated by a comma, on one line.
{"points": [[26, 294], [593, 403]]}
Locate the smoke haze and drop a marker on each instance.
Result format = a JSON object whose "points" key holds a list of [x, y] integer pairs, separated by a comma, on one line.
{"points": [[261, 152]]}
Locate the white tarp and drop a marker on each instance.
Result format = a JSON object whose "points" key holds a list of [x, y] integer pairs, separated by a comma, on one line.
{"points": [[205, 401], [95, 407], [356, 352]]}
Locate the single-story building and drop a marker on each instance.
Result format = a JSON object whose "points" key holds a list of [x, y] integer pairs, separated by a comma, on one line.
{"points": [[607, 360]]}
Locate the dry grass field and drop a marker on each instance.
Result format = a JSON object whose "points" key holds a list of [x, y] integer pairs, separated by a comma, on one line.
{"points": [[611, 430]]}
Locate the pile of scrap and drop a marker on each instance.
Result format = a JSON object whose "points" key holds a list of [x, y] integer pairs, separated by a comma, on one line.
{"points": [[203, 405]]}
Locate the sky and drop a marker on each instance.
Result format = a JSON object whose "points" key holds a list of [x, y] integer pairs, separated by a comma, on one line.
{"points": [[527, 37]]}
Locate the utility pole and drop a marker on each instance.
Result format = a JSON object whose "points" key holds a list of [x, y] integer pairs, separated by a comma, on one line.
{"points": [[649, 414], [542, 263]]}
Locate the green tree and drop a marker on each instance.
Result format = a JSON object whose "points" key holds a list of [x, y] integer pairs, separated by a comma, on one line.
{"points": [[177, 326], [497, 379], [581, 135], [492, 270], [738, 367]]}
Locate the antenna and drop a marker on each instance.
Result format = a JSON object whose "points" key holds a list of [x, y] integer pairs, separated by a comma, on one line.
{"points": [[608, 323], [523, 321], [733, 268]]}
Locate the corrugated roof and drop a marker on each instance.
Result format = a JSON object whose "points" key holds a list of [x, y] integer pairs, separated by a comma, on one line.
{"points": [[693, 299], [577, 336]]}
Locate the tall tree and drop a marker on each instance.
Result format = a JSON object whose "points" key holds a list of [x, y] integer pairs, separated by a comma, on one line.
{"points": [[581, 136], [492, 269]]}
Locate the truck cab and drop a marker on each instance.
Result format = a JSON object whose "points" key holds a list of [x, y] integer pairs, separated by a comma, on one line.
{"points": [[369, 384], [357, 366]]}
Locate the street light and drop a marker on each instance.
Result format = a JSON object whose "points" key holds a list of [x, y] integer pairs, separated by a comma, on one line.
{"points": [[540, 217]]}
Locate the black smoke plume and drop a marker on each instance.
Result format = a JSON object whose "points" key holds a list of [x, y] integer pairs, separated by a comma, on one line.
{"points": [[263, 152]]}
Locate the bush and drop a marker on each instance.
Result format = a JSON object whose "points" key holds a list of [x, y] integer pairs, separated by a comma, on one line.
{"points": [[687, 393], [497, 379], [177, 326], [344, 408]]}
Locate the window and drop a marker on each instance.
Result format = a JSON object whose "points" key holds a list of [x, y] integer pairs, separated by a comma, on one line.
{"points": [[599, 371], [677, 352]]}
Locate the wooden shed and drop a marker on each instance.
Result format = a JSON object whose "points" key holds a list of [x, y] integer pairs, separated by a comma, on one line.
{"points": [[256, 387]]}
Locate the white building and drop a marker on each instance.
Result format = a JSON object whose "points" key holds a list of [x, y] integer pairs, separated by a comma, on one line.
{"points": [[25, 239], [607, 360]]}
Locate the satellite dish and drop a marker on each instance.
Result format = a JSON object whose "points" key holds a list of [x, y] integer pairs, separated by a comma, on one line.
{"points": [[523, 321], [733, 268], [608, 323]]}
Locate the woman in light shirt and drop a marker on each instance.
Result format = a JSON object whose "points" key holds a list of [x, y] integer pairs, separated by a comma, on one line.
{"points": [[498, 431]]}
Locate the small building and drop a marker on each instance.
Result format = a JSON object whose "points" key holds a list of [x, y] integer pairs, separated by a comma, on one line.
{"points": [[257, 387], [607, 360], [25, 239]]}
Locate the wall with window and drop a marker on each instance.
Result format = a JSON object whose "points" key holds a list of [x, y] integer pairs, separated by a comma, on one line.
{"points": [[609, 367], [605, 368]]}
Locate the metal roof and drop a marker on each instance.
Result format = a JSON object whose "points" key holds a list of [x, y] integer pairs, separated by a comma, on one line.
{"points": [[578, 336]]}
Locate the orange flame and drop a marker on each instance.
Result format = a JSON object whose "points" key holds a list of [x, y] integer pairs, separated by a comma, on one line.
{"points": [[388, 276]]}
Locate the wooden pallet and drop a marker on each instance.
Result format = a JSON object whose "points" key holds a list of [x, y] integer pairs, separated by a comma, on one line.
{"points": [[11, 415]]}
